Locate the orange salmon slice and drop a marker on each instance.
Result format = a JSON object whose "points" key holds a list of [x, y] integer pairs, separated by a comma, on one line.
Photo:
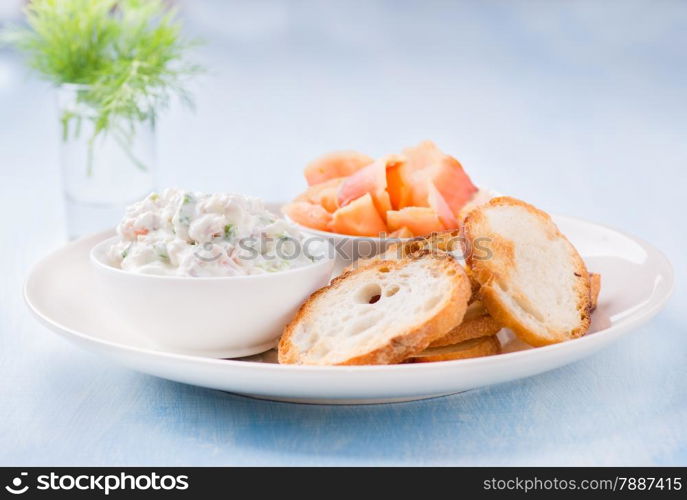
{"points": [[324, 194], [421, 221], [359, 218], [427, 161], [335, 164], [399, 191], [308, 215], [404, 232], [371, 179], [440, 207]]}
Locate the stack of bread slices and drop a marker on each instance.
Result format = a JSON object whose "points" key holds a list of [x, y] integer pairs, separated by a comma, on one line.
{"points": [[418, 303]]}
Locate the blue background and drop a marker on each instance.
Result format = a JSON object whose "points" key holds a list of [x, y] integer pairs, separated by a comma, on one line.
{"points": [[578, 107]]}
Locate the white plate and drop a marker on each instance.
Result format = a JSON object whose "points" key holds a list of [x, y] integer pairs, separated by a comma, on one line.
{"points": [[636, 282]]}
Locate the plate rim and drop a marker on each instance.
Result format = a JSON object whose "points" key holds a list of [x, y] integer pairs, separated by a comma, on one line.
{"points": [[623, 325]]}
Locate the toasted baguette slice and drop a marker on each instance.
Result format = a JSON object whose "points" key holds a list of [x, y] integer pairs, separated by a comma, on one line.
{"points": [[378, 314], [531, 278], [473, 348], [482, 326], [595, 282]]}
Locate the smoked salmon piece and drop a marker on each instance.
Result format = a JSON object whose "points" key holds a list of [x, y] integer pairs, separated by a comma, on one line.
{"points": [[324, 194], [308, 215], [413, 194], [404, 232], [359, 218], [335, 164], [427, 161], [438, 204], [399, 191], [371, 179], [421, 221]]}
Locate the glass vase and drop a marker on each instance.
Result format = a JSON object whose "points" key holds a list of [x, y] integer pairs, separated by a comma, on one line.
{"points": [[101, 173]]}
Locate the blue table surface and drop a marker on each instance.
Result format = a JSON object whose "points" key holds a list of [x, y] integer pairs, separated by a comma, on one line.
{"points": [[577, 107]]}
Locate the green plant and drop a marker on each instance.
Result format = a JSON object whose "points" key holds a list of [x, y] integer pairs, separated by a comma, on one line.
{"points": [[129, 56]]}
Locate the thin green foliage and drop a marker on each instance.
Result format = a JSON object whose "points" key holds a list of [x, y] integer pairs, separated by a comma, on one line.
{"points": [[129, 54]]}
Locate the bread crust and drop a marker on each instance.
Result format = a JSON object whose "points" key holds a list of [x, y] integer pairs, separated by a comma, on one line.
{"points": [[491, 272], [406, 343], [595, 289], [473, 348], [482, 326]]}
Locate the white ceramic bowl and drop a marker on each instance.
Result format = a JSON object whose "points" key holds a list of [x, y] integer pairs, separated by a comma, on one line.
{"points": [[221, 317]]}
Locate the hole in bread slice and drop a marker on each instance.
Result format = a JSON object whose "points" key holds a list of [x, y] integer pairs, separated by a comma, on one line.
{"points": [[369, 294]]}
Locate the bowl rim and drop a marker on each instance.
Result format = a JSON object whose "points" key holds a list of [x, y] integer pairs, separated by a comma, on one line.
{"points": [[98, 263]]}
